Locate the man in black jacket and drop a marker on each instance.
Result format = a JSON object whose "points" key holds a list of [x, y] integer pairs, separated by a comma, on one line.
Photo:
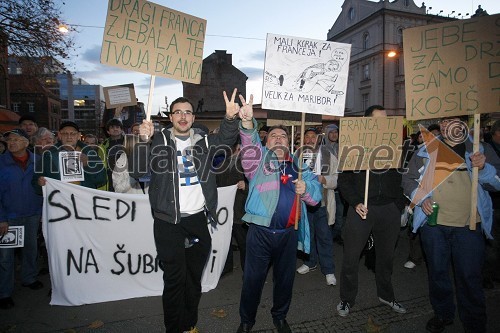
{"points": [[181, 189], [386, 201]]}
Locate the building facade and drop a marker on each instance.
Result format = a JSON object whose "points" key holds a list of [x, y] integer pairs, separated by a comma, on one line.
{"points": [[81, 102], [218, 75], [375, 31]]}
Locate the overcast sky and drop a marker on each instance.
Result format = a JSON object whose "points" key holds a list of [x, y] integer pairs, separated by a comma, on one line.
{"points": [[240, 27]]}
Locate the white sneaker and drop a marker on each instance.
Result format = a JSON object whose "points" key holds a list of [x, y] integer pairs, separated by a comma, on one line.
{"points": [[304, 269], [343, 308], [409, 264], [331, 280], [394, 305]]}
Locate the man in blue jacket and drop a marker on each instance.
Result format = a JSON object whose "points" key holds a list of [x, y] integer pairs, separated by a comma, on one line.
{"points": [[270, 212], [19, 206], [449, 242]]}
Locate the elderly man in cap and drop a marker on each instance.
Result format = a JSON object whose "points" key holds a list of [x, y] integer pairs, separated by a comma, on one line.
{"points": [[29, 125], [69, 140], [19, 206]]}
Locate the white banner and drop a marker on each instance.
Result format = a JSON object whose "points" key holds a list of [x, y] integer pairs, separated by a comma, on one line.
{"points": [[305, 75], [101, 245]]}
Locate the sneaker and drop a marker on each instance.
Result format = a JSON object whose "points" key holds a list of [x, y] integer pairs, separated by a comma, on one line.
{"points": [[331, 280], [394, 305], [193, 330], [343, 308], [409, 264], [304, 269], [437, 325]]}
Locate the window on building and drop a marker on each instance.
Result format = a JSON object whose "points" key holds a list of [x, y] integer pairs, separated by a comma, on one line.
{"points": [[79, 102], [16, 106], [396, 97], [365, 100], [366, 72], [407, 3], [400, 36], [31, 107], [351, 14], [366, 38]]}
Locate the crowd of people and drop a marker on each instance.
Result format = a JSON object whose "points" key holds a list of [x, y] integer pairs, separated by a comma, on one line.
{"points": [[288, 199]]}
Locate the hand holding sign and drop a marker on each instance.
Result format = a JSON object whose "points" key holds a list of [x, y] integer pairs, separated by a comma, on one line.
{"points": [[362, 210], [300, 186], [146, 129]]}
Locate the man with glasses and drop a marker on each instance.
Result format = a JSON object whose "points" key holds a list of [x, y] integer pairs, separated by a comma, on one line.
{"points": [[183, 196], [440, 173], [69, 140]]}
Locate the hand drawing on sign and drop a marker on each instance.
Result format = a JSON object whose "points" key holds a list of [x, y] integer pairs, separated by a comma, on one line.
{"points": [[324, 75], [274, 79], [72, 166]]}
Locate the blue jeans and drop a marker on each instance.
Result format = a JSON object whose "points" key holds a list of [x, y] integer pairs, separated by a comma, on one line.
{"points": [[29, 265], [462, 250], [321, 241]]}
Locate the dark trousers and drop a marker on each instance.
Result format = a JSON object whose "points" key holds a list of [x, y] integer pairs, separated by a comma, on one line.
{"points": [[384, 222], [266, 247], [182, 269], [491, 268], [239, 233], [462, 250], [415, 253]]}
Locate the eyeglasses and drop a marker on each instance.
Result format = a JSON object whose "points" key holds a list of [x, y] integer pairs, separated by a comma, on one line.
{"points": [[69, 133], [183, 112], [19, 139]]}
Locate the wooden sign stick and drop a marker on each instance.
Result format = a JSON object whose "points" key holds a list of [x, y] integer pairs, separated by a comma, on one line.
{"points": [[299, 175], [150, 97], [367, 184], [475, 175]]}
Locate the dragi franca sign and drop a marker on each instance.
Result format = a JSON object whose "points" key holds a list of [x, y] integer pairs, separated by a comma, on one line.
{"points": [[145, 37], [101, 246]]}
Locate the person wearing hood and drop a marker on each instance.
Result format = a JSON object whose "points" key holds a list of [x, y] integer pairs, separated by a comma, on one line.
{"points": [[183, 197], [321, 216], [332, 145]]}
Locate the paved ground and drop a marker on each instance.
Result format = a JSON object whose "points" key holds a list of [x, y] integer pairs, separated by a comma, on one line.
{"points": [[312, 310]]}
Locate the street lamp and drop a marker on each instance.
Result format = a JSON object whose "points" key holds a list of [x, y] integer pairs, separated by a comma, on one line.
{"points": [[428, 10], [63, 28], [391, 54]]}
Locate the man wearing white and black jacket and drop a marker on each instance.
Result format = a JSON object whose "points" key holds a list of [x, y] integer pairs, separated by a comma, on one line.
{"points": [[182, 188]]}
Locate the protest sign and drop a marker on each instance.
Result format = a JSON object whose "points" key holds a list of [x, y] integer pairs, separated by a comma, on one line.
{"points": [[119, 96], [13, 238], [452, 68], [370, 143], [145, 37], [70, 166], [101, 246], [305, 75]]}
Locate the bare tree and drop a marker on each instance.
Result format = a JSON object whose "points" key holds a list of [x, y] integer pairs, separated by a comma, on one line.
{"points": [[32, 31]]}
